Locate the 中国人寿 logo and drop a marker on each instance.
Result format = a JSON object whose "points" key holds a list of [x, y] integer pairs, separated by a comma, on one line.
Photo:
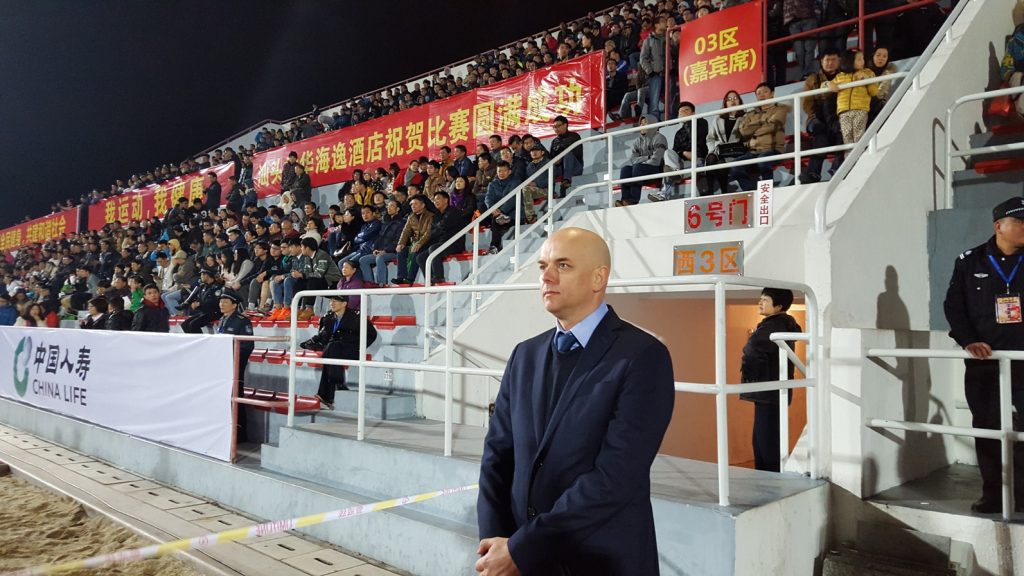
{"points": [[21, 359]]}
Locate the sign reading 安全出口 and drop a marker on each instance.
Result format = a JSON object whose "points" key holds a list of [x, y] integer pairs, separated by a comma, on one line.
{"points": [[713, 258]]}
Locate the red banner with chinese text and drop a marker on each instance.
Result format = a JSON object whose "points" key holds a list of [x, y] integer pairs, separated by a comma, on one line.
{"points": [[526, 103], [721, 52], [155, 200], [40, 229]]}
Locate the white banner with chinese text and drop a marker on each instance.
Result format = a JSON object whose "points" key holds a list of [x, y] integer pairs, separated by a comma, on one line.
{"points": [[170, 388]]}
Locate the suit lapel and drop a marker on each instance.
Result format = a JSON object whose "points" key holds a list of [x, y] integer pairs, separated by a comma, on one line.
{"points": [[541, 385], [602, 339]]}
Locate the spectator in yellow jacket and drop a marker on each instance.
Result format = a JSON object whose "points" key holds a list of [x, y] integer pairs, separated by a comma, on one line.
{"points": [[853, 104]]}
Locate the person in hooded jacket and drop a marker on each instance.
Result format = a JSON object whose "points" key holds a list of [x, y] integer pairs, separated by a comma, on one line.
{"points": [[645, 157], [761, 364]]}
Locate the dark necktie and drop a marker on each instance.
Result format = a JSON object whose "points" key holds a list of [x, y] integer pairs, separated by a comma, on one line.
{"points": [[565, 341], [562, 362]]}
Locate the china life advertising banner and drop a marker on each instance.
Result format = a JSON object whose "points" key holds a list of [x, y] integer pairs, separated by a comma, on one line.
{"points": [[527, 103], [155, 200], [40, 230], [169, 388], [721, 52]]}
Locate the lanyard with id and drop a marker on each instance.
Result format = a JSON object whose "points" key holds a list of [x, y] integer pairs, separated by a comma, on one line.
{"points": [[1008, 308]]}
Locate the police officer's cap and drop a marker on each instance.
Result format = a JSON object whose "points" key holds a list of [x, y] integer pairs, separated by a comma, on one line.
{"points": [[1012, 208], [231, 295], [339, 298]]}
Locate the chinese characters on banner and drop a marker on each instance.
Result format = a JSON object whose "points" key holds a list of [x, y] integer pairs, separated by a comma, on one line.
{"points": [[526, 103], [155, 200], [721, 52], [763, 213], [40, 229], [723, 212], [717, 258]]}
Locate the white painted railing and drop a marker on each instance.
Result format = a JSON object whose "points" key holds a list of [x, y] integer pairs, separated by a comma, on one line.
{"points": [[720, 388], [1005, 434], [967, 150], [512, 249]]}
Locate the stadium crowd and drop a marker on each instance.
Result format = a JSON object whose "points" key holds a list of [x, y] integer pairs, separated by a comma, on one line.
{"points": [[135, 275]]}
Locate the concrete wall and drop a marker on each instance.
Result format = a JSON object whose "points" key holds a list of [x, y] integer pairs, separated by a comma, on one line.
{"points": [[879, 212], [866, 461]]}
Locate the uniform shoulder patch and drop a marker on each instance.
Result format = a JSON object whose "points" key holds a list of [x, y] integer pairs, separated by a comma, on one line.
{"points": [[965, 254]]}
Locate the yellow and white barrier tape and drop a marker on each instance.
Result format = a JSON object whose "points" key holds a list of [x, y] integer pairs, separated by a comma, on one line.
{"points": [[209, 540]]}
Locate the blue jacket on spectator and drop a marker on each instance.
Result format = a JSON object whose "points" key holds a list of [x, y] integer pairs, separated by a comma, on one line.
{"points": [[389, 235], [497, 190], [8, 315], [535, 167], [465, 166], [367, 236]]}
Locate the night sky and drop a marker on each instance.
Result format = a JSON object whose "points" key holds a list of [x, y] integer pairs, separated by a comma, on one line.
{"points": [[95, 90]]}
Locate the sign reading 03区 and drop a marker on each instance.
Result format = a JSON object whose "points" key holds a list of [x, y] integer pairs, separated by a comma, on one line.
{"points": [[721, 52], [524, 103], [121, 380]]}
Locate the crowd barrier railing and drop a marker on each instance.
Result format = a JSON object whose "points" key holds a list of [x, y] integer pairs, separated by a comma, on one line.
{"points": [[868, 141], [512, 249], [967, 151], [720, 388], [1005, 434]]}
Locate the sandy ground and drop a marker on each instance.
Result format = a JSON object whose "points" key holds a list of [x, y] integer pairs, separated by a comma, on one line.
{"points": [[38, 527]]}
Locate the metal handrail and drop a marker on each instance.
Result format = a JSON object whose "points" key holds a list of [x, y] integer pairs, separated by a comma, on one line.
{"points": [[950, 153], [813, 381], [438, 336], [1005, 434], [548, 220], [867, 141]]}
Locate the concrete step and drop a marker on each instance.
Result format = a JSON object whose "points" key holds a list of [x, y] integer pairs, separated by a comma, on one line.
{"points": [[854, 563], [973, 190], [407, 471], [378, 406]]}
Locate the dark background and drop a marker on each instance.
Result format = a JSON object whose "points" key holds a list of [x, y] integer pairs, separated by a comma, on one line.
{"points": [[95, 90]]}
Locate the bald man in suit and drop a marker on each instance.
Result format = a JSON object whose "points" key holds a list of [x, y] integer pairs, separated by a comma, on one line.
{"points": [[581, 412]]}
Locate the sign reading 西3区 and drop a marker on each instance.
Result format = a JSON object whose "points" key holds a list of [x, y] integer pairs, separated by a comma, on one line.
{"points": [[120, 380], [721, 52], [714, 258]]}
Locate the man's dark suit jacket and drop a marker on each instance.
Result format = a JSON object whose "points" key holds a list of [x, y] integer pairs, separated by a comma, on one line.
{"points": [[573, 495]]}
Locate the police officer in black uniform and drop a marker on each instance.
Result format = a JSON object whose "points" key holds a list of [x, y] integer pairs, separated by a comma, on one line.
{"points": [[234, 322], [983, 307], [338, 337], [203, 302]]}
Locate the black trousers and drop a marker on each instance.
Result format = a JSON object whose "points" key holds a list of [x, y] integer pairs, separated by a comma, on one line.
{"points": [[310, 284], [241, 423], [437, 266], [332, 377], [194, 324], [766, 436], [981, 386]]}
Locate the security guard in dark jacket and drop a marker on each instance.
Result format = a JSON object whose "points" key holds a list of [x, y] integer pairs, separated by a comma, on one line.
{"points": [[204, 303], [761, 364], [983, 307], [234, 322], [338, 337]]}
